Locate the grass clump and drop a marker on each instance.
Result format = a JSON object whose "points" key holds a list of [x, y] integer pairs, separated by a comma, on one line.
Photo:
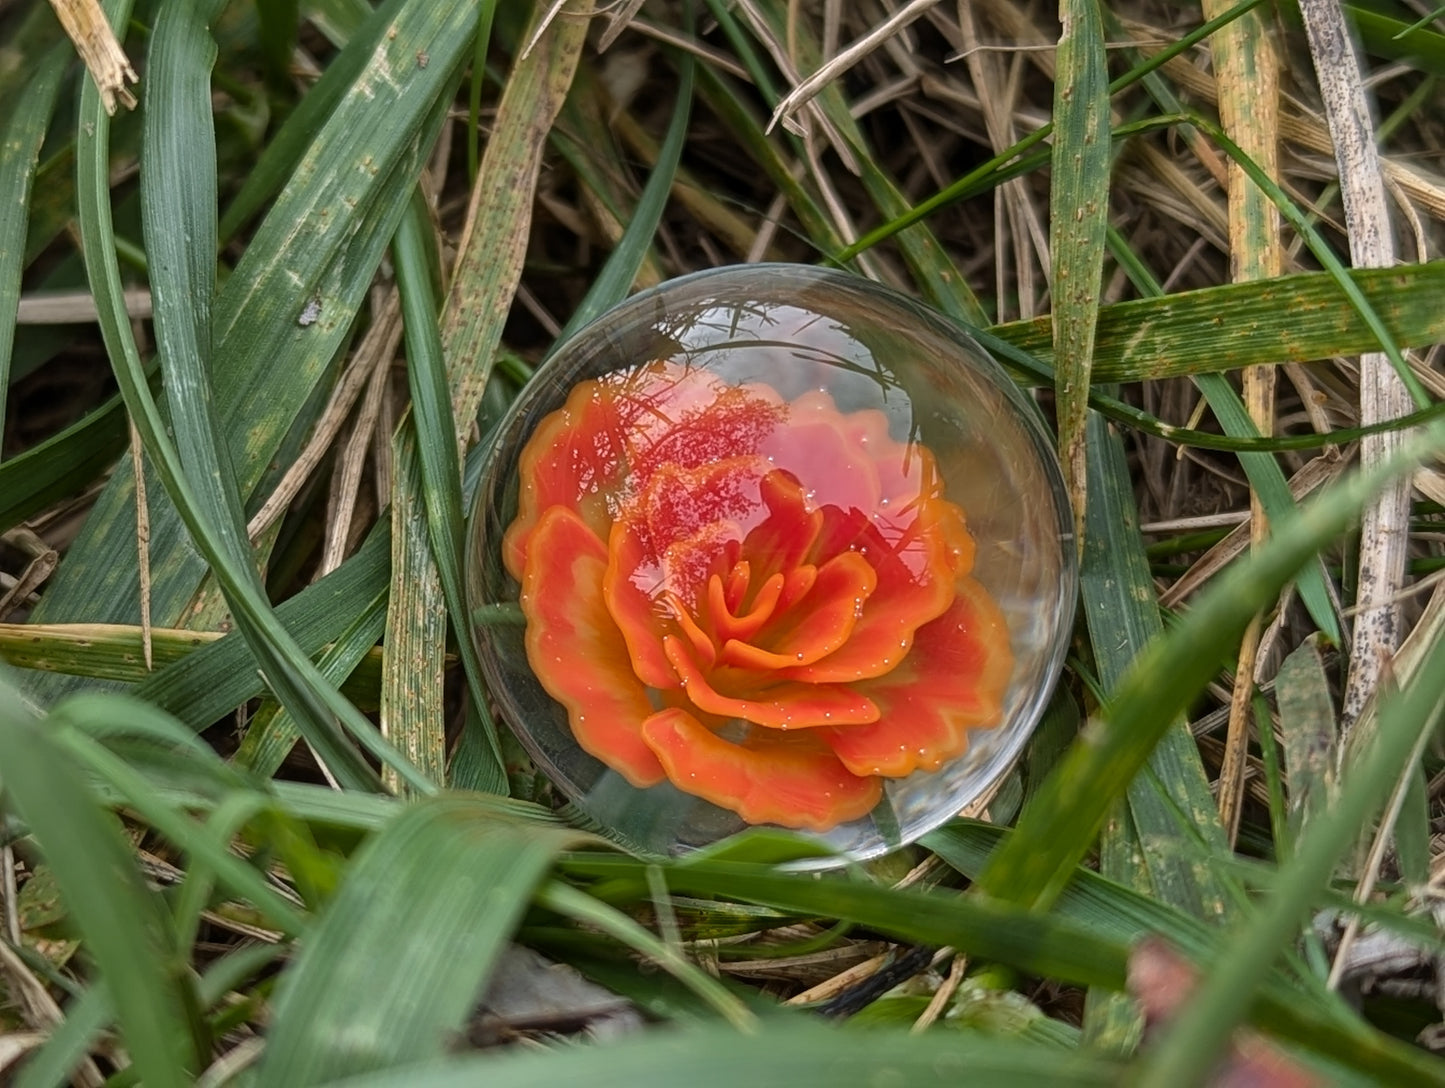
{"points": [[233, 535]]}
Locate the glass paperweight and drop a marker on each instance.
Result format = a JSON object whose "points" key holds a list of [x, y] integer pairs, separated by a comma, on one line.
{"points": [[771, 545]]}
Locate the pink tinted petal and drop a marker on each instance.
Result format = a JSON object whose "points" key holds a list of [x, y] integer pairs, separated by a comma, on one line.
{"points": [[953, 680], [797, 584], [776, 705], [831, 471], [792, 781], [820, 623], [681, 502], [614, 432], [575, 649], [730, 597], [690, 418]]}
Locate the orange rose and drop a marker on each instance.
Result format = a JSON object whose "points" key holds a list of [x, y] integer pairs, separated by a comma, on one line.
{"points": [[765, 601]]}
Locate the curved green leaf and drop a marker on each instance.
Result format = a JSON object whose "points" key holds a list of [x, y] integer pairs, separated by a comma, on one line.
{"points": [[123, 924], [396, 964], [801, 1056]]}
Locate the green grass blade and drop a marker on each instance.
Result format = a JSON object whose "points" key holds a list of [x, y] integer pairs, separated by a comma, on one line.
{"points": [[231, 970], [125, 929], [61, 465], [178, 211], [1121, 609], [617, 275], [284, 150], [474, 88], [319, 246], [277, 21], [586, 911], [296, 680], [996, 170], [338, 20], [1296, 218], [1032, 943], [74, 721], [1307, 727], [218, 677], [395, 966], [55, 1062], [484, 282], [1265, 475], [1103, 906], [1267, 479], [367, 812], [22, 130], [1217, 329], [793, 1056], [585, 139], [269, 740], [1386, 35], [1055, 832], [1285, 1008], [1035, 372], [435, 444], [1078, 217], [1193, 1042], [938, 278], [413, 667], [733, 107]]}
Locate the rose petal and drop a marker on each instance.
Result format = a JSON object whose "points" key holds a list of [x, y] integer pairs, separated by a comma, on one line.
{"points": [[788, 781], [679, 503], [619, 429], [915, 567], [688, 565], [731, 614], [730, 597], [953, 680], [813, 451], [666, 547], [787, 536], [573, 459], [703, 649], [776, 705], [818, 625], [575, 649], [634, 607]]}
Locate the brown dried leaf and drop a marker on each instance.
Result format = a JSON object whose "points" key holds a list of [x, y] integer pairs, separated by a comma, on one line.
{"points": [[85, 24]]}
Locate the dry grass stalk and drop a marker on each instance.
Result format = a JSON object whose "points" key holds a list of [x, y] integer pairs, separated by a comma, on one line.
{"points": [[1315, 473], [1383, 396], [377, 348], [340, 514], [74, 307], [85, 24], [843, 980], [943, 995], [1426, 189], [834, 68], [618, 20], [1246, 71]]}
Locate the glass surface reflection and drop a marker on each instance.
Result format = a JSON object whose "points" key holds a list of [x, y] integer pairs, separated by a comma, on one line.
{"points": [[789, 549]]}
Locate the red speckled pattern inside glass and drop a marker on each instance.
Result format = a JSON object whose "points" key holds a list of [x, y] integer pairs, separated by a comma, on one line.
{"points": [[766, 601]]}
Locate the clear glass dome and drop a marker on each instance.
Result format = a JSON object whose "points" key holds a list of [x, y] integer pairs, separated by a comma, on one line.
{"points": [[791, 550]]}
